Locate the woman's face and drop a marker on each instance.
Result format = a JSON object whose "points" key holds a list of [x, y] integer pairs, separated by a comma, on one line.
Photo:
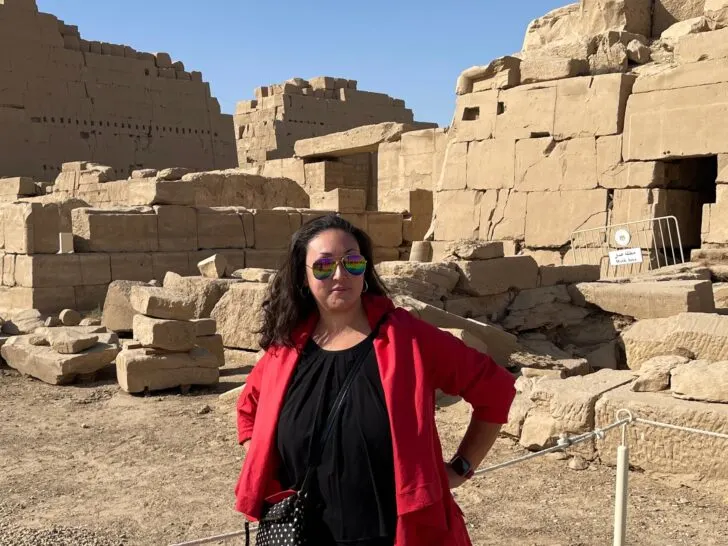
{"points": [[342, 290]]}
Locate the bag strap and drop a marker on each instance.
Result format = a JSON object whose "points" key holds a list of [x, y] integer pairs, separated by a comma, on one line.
{"points": [[338, 403]]}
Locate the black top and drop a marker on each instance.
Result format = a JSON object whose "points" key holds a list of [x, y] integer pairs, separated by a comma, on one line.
{"points": [[354, 482]]}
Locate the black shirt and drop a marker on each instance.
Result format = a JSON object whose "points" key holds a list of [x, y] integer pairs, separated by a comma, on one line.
{"points": [[354, 482]]}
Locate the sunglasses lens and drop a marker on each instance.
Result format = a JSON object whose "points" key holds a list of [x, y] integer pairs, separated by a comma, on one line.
{"points": [[323, 268], [355, 264]]}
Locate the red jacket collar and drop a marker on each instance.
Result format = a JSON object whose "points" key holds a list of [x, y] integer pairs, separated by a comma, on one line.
{"points": [[374, 306]]}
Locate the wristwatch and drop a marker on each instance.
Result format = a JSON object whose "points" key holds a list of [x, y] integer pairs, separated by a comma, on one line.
{"points": [[462, 467]]}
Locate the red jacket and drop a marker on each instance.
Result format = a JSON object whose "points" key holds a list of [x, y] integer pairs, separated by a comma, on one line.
{"points": [[414, 359]]}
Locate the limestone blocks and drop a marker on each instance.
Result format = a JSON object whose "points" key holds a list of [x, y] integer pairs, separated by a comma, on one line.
{"points": [[170, 352]]}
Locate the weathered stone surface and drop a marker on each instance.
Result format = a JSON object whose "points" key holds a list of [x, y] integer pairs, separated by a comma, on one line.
{"points": [[98, 230], [475, 116], [567, 274], [205, 327], [592, 106], [173, 173], [118, 312], [716, 11], [547, 315], [663, 450], [704, 336], [473, 250], [205, 292], [212, 343], [88, 321], [457, 215], [667, 13], [542, 69], [684, 28], [70, 343], [23, 322], [528, 111], [605, 356], [720, 294], [501, 73], [646, 300], [520, 407], [537, 365], [161, 303], [213, 267], [581, 209], [696, 115], [254, 274], [489, 165], [148, 192], [500, 344], [238, 315], [567, 405], [701, 47], [638, 53], [169, 335], [354, 141], [654, 374], [46, 364], [701, 380], [70, 317], [444, 276], [609, 54], [488, 277], [542, 164], [503, 216], [534, 297], [494, 307], [140, 369]]}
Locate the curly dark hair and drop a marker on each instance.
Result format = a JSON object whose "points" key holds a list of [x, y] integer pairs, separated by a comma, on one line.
{"points": [[287, 303]]}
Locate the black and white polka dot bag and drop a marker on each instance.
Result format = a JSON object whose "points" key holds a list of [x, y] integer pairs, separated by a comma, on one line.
{"points": [[285, 522]]}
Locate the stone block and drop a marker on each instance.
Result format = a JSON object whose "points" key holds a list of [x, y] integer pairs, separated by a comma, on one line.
{"points": [[385, 229], [567, 274], [132, 266], [177, 262], [701, 335], [69, 317], [99, 230], [341, 200], [453, 175], [90, 297], [213, 344], [501, 73], [273, 228], [457, 215], [526, 111], [668, 12], [168, 335], [543, 164], [592, 105], [488, 277], [491, 164], [470, 250], [44, 363], [213, 267], [567, 406], [118, 312], [161, 303], [19, 186], [265, 259], [580, 209], [663, 450], [205, 327], [500, 344], [475, 116], [31, 228], [438, 278], [704, 46], [205, 292], [386, 254], [701, 380], [140, 369], [353, 141], [154, 192], [494, 307], [239, 316], [220, 227], [503, 215], [71, 343], [697, 118], [714, 225], [176, 228], [47, 270], [541, 69], [646, 300]]}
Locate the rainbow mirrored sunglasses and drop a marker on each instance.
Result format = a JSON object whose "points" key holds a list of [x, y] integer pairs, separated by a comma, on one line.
{"points": [[323, 268]]}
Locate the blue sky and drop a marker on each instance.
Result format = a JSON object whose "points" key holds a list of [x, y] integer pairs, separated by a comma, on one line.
{"points": [[410, 49]]}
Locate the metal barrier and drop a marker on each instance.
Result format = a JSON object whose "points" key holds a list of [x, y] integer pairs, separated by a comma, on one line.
{"points": [[629, 248]]}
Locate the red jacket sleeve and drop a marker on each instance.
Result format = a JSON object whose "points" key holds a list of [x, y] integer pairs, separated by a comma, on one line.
{"points": [[247, 405], [459, 370]]}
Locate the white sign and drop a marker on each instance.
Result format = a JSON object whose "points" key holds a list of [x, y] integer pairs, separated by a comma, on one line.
{"points": [[625, 256], [622, 237]]}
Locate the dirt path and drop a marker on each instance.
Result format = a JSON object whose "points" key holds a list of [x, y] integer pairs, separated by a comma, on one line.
{"points": [[96, 463]]}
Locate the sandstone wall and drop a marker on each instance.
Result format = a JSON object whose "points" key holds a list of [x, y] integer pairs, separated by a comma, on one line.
{"points": [[144, 243], [564, 139], [63, 98], [269, 126]]}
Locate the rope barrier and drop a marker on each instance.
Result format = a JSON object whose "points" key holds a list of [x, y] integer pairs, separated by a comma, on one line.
{"points": [[563, 443]]}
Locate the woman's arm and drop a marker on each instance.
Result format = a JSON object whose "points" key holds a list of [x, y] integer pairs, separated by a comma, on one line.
{"points": [[476, 444]]}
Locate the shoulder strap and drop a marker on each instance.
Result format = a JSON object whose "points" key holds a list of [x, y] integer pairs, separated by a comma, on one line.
{"points": [[338, 403]]}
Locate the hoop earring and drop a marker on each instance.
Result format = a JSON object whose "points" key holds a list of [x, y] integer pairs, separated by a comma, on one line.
{"points": [[366, 286], [305, 291]]}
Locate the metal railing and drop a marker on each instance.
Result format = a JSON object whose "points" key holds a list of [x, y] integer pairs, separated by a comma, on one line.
{"points": [[629, 248]]}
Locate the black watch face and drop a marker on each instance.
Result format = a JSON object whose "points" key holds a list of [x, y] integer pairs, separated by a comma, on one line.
{"points": [[459, 466]]}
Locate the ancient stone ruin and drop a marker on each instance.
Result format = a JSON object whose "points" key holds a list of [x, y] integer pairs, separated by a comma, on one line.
{"points": [[552, 225]]}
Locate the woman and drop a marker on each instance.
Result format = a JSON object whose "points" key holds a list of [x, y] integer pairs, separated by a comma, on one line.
{"points": [[381, 479]]}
